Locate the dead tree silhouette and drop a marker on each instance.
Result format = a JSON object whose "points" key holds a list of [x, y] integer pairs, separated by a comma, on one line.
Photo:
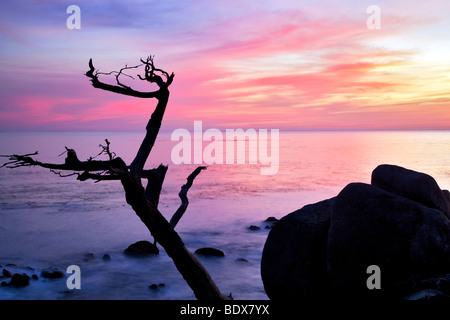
{"points": [[143, 200]]}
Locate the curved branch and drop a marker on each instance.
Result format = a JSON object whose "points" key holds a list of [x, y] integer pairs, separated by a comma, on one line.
{"points": [[120, 89], [183, 196]]}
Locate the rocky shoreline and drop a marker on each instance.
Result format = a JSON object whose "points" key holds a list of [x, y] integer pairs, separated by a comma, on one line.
{"points": [[398, 225]]}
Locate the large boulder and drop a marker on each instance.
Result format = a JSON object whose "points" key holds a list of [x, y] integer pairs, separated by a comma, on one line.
{"points": [[417, 186], [294, 257], [400, 223], [370, 226]]}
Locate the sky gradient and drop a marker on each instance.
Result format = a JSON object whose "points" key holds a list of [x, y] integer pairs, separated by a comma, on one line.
{"points": [[238, 64]]}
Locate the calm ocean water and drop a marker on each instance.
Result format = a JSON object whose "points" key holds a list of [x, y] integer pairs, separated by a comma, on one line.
{"points": [[48, 221]]}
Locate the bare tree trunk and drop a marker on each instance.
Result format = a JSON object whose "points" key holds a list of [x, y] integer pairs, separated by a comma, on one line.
{"points": [[187, 264], [143, 201]]}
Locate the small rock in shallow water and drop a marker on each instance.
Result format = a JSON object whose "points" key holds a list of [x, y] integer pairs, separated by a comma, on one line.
{"points": [[211, 252], [253, 228], [20, 280], [141, 248], [52, 273], [7, 273], [106, 257], [153, 286]]}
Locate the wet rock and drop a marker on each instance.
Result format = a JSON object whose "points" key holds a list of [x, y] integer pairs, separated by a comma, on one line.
{"points": [[399, 223], [294, 262], [253, 228], [106, 257], [153, 286], [34, 277], [4, 284], [271, 219], [210, 252], [417, 186], [52, 273], [20, 280], [141, 248], [7, 273], [242, 260], [370, 226]]}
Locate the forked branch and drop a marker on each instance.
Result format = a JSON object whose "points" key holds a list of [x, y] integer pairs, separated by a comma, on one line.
{"points": [[183, 196], [150, 75], [143, 201]]}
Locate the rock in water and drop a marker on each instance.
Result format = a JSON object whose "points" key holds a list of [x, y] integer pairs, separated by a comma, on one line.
{"points": [[294, 257], [141, 248], [210, 252], [400, 223], [20, 280], [52, 273], [7, 273], [370, 226], [417, 186]]}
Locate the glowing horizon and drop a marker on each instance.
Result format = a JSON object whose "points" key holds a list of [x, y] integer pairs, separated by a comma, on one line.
{"points": [[252, 64]]}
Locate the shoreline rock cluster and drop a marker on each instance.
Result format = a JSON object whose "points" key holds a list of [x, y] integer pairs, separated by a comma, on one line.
{"points": [[399, 223], [21, 277]]}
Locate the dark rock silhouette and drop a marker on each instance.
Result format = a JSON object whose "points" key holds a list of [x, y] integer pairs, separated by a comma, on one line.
{"points": [[52, 273], [141, 248], [210, 252], [7, 273], [294, 258], [416, 186], [399, 223], [20, 280]]}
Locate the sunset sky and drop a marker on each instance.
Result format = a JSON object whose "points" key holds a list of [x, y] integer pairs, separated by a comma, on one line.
{"points": [[238, 64]]}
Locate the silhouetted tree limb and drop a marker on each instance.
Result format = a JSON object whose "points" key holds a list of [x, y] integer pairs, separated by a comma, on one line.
{"points": [[71, 163], [183, 196], [143, 201], [155, 178]]}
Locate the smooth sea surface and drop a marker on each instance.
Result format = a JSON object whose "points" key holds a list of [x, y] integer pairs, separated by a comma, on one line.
{"points": [[50, 221]]}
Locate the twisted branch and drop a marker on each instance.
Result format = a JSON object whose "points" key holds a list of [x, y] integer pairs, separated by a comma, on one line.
{"points": [[183, 196]]}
